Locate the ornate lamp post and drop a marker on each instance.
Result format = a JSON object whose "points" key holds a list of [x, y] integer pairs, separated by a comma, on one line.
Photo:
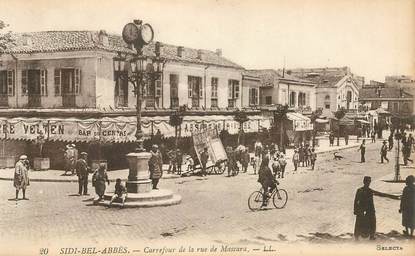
{"points": [[143, 70]]}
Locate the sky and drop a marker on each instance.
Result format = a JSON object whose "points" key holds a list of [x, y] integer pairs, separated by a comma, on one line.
{"points": [[373, 37]]}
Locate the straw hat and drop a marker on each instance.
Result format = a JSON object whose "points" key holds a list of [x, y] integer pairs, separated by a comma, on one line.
{"points": [[23, 157]]}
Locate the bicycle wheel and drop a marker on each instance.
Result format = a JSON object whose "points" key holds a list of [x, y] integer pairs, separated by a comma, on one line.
{"points": [[255, 201], [280, 198]]}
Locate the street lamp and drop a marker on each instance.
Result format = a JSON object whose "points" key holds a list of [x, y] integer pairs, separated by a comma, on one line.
{"points": [[143, 71]]}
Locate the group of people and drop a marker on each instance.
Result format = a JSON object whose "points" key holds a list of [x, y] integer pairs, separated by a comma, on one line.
{"points": [[304, 156], [99, 180], [364, 209]]}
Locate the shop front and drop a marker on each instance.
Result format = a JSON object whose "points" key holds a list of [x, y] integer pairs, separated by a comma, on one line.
{"points": [[107, 138]]}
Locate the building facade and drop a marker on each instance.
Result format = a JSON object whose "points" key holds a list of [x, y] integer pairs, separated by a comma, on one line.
{"points": [[394, 100], [335, 87], [278, 88], [407, 83], [71, 86]]}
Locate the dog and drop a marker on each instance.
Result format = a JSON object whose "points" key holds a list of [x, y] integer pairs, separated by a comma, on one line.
{"points": [[337, 157]]}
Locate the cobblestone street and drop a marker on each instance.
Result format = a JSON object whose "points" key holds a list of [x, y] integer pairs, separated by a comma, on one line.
{"points": [[213, 209]]}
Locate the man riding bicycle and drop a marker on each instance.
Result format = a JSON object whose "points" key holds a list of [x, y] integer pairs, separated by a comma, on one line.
{"points": [[267, 179]]}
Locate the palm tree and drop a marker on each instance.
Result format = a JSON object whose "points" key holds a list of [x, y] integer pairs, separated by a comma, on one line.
{"points": [[241, 117], [339, 114]]}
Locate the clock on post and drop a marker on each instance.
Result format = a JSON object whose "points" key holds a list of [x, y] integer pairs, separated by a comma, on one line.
{"points": [[138, 34]]}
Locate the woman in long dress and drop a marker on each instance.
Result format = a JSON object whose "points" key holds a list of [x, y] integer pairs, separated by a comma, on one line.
{"points": [[21, 176], [98, 180], [407, 207]]}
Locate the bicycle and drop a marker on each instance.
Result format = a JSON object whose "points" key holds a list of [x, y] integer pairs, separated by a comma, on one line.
{"points": [[279, 199]]}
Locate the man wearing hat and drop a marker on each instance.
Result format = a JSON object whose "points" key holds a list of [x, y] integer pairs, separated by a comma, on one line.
{"points": [[296, 159], [384, 152], [71, 156], [155, 164], [82, 170], [21, 176]]}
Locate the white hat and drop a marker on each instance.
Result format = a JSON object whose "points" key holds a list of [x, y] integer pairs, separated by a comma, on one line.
{"points": [[23, 157]]}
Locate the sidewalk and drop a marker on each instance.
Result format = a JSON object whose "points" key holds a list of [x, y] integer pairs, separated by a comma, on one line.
{"points": [[57, 175], [386, 184]]}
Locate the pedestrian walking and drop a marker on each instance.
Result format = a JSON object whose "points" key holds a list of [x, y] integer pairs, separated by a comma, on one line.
{"points": [[21, 176], [331, 139], [99, 178], [204, 157], [258, 148], [232, 165], [119, 193], [307, 154], [364, 209], [362, 150], [82, 170], [296, 159], [245, 160], [407, 206], [190, 163], [172, 161], [155, 164], [390, 141], [70, 156], [179, 161], [301, 155], [384, 152], [313, 158], [283, 164]]}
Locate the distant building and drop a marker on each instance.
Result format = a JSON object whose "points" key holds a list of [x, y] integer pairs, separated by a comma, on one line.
{"points": [[394, 100], [407, 83], [280, 88], [335, 87]]}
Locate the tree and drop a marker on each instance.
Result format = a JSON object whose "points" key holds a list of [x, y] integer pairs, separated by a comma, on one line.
{"points": [[6, 39], [339, 114], [314, 115], [176, 120], [241, 117], [280, 116]]}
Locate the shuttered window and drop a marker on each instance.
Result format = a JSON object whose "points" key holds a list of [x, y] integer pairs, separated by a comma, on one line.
{"points": [[44, 82], [24, 82], [57, 82], [10, 82]]}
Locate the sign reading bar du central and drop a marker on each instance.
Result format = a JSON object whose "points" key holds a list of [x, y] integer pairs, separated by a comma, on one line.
{"points": [[209, 138]]}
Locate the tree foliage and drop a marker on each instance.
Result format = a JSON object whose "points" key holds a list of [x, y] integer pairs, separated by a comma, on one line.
{"points": [[339, 114], [5, 38]]}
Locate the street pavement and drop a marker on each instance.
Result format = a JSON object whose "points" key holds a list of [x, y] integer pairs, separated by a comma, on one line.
{"points": [[213, 209]]}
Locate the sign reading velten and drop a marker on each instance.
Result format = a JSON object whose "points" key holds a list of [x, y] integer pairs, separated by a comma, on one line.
{"points": [[209, 138]]}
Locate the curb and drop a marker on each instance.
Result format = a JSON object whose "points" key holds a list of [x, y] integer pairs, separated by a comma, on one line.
{"points": [[74, 181]]}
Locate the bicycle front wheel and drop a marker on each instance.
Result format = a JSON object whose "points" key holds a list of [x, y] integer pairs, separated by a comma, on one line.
{"points": [[255, 201], [280, 198]]}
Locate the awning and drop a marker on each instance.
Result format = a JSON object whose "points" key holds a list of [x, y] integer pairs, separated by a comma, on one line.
{"points": [[300, 122], [363, 121], [117, 129], [322, 121]]}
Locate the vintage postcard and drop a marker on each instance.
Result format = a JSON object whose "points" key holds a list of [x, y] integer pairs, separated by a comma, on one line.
{"points": [[207, 127]]}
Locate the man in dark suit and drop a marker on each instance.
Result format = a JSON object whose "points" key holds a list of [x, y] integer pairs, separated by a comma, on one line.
{"points": [[82, 170]]}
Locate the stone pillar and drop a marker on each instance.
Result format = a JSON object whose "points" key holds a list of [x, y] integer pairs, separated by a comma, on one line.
{"points": [[138, 177]]}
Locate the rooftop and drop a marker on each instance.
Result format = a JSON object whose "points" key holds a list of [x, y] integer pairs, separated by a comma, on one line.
{"points": [[388, 92], [270, 76], [63, 41]]}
